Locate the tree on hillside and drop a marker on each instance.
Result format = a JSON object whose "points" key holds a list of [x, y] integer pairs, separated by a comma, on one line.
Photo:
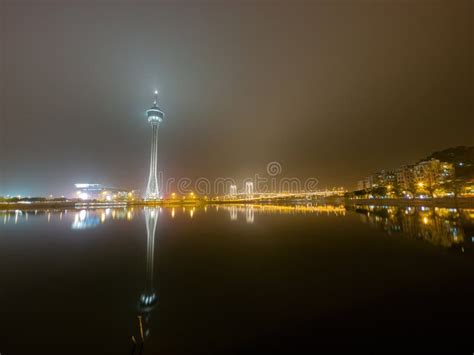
{"points": [[461, 157], [379, 191]]}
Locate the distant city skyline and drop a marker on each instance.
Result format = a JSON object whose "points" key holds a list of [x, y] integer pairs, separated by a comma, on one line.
{"points": [[334, 91]]}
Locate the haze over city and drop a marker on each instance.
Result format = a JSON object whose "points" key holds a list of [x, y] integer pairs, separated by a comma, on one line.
{"points": [[236, 177], [332, 90]]}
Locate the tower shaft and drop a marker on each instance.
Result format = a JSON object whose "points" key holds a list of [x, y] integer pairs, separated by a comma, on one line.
{"points": [[155, 117], [152, 189]]}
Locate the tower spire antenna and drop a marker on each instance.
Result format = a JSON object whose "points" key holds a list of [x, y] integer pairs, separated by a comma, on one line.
{"points": [[156, 97]]}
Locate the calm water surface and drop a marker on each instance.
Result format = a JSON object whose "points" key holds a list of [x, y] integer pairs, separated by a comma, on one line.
{"points": [[237, 279]]}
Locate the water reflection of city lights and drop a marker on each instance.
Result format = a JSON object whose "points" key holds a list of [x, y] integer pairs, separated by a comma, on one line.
{"points": [[448, 227], [85, 220], [249, 211], [88, 218], [233, 213], [17, 212], [439, 226]]}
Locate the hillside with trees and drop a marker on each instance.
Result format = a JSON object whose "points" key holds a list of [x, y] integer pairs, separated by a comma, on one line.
{"points": [[461, 157]]}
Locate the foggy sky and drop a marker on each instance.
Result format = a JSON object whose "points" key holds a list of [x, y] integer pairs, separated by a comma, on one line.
{"points": [[333, 90]]}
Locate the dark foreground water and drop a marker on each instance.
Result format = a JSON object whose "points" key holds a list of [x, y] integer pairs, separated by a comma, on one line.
{"points": [[237, 280]]}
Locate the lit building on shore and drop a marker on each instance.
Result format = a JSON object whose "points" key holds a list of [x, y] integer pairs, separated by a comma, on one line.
{"points": [[103, 193], [405, 177], [428, 178], [381, 178]]}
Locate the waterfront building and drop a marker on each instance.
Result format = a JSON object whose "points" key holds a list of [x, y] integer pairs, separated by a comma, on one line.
{"points": [[405, 177], [382, 178], [425, 179], [431, 174], [365, 183], [86, 191]]}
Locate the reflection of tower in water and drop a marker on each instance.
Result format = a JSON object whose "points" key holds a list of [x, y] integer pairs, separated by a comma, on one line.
{"points": [[148, 298], [249, 214], [233, 213]]}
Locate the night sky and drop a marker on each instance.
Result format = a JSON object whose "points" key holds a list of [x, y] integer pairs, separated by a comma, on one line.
{"points": [[332, 90]]}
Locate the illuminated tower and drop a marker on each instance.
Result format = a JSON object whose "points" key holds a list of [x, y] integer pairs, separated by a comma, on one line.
{"points": [[155, 117], [249, 188]]}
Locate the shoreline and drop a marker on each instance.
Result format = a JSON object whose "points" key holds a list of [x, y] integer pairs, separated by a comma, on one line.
{"points": [[441, 202], [464, 202]]}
